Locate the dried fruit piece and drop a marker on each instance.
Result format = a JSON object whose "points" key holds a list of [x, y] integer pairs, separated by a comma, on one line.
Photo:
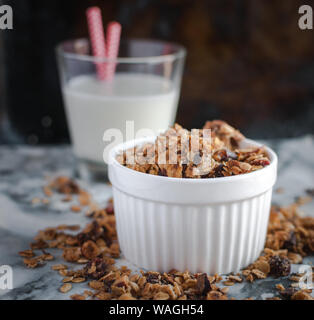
{"points": [[279, 266], [203, 284]]}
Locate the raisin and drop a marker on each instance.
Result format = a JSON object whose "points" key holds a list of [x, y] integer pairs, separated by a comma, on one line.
{"points": [[162, 172], [109, 209], [291, 243], [96, 232], [261, 162], [279, 267], [152, 278], [218, 171], [203, 284], [100, 266]]}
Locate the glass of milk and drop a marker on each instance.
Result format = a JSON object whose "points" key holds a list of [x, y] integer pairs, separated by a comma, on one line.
{"points": [[140, 100]]}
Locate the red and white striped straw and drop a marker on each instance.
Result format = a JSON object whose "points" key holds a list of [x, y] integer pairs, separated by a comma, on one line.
{"points": [[97, 38], [112, 47]]}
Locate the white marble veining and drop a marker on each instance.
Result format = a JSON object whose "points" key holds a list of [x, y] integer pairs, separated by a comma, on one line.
{"points": [[22, 175]]}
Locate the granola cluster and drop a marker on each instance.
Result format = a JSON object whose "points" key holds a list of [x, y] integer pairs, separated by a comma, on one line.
{"points": [[290, 237], [203, 153]]}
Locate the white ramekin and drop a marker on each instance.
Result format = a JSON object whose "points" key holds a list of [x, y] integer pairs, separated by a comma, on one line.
{"points": [[213, 225]]}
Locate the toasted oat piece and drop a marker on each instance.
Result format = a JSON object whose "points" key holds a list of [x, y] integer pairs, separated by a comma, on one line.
{"points": [[280, 287], [75, 208], [78, 280], [66, 288], [27, 253], [58, 267], [78, 297]]}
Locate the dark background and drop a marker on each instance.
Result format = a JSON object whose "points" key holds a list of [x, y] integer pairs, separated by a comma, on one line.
{"points": [[248, 62]]}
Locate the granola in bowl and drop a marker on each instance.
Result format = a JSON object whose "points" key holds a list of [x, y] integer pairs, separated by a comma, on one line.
{"points": [[192, 183], [212, 152]]}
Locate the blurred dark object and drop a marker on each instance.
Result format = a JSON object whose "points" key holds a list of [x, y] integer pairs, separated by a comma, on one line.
{"points": [[33, 99], [248, 62]]}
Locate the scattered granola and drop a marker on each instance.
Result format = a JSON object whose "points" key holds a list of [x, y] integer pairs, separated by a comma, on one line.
{"points": [[280, 287], [59, 267], [66, 288], [78, 297], [287, 229], [76, 208], [290, 237], [64, 185], [187, 154], [27, 253]]}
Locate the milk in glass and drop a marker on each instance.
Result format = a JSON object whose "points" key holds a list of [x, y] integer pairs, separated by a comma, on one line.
{"points": [[94, 106]]}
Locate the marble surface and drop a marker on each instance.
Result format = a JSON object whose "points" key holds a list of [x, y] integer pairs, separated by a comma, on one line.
{"points": [[23, 171]]}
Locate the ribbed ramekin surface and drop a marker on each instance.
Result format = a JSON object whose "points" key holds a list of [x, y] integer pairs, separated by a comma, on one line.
{"points": [[215, 238]]}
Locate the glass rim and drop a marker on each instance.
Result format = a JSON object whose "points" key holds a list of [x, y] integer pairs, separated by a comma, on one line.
{"points": [[179, 54]]}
